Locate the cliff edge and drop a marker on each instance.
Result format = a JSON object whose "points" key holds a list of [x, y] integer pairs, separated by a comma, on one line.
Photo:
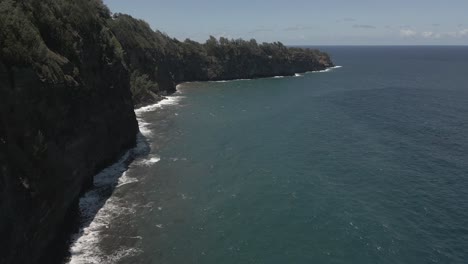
{"points": [[65, 113]]}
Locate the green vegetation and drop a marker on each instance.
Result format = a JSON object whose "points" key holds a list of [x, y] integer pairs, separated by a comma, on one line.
{"points": [[52, 37], [142, 88], [149, 55], [164, 61]]}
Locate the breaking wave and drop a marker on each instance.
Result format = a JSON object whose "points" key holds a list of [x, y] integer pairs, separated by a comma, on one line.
{"points": [[97, 211], [326, 70], [169, 100], [98, 207]]}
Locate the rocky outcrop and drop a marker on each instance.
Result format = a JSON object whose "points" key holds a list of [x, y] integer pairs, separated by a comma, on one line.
{"points": [[65, 113]]}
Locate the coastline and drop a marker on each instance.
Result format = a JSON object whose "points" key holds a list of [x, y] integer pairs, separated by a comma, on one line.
{"points": [[294, 75], [96, 206], [297, 74], [84, 235]]}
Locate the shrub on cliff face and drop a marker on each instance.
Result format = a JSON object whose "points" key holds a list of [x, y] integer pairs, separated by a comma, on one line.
{"points": [[50, 35], [150, 56], [20, 42], [143, 89]]}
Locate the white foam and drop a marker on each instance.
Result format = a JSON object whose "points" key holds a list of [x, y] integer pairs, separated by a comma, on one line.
{"points": [[153, 160], [144, 127], [169, 100], [233, 80], [98, 213], [274, 77], [124, 180], [326, 70], [148, 161]]}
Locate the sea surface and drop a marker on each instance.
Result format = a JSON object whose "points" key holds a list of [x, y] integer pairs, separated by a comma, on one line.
{"points": [[364, 163]]}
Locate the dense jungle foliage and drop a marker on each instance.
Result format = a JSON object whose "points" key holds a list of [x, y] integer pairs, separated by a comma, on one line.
{"points": [[52, 36]]}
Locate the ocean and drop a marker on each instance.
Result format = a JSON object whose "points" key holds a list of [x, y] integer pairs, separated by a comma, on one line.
{"points": [[363, 163]]}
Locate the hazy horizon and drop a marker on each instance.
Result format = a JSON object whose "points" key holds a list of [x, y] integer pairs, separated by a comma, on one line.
{"points": [[300, 22]]}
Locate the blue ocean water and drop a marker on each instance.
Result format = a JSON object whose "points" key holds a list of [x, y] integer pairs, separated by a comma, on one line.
{"points": [[366, 163]]}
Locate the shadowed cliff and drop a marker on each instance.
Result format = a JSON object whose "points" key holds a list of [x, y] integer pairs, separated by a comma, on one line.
{"points": [[65, 113]]}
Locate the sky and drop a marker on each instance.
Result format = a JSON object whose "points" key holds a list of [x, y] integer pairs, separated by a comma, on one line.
{"points": [[307, 22]]}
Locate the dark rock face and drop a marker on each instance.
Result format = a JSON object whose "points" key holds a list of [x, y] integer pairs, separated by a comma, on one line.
{"points": [[65, 113]]}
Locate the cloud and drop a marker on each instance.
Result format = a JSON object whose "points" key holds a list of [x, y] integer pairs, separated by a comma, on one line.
{"points": [[427, 34], [456, 34], [430, 34], [364, 26], [452, 34], [463, 32], [346, 19], [258, 30], [408, 33], [405, 27], [298, 28], [435, 25]]}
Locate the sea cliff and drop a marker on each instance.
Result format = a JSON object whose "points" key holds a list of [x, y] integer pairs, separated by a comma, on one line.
{"points": [[66, 113], [70, 77], [158, 62]]}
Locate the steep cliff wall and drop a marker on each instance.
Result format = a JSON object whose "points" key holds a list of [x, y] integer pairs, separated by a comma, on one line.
{"points": [[65, 113]]}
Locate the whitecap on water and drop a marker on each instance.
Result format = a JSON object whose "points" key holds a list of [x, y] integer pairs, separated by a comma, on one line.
{"points": [[144, 127], [148, 161], [326, 70], [125, 179], [169, 100]]}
